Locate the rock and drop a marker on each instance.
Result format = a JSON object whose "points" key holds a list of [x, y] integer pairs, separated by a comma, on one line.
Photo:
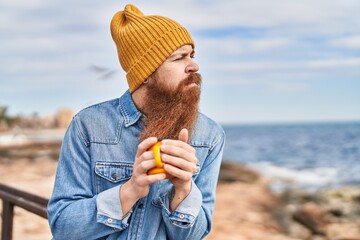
{"points": [[335, 211], [311, 216], [344, 194], [342, 203], [318, 237], [299, 231], [233, 172], [348, 231]]}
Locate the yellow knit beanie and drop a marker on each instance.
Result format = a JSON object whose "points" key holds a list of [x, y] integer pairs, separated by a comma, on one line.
{"points": [[144, 42]]}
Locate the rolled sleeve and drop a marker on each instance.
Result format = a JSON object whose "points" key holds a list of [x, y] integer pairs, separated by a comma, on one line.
{"points": [[186, 213], [109, 210]]}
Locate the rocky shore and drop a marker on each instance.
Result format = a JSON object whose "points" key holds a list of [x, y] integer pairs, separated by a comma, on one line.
{"points": [[246, 207]]}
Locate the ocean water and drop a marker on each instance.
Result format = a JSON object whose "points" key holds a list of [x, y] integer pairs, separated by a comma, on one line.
{"points": [[309, 156]]}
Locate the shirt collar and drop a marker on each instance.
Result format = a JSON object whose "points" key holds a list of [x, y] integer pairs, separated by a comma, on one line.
{"points": [[128, 109]]}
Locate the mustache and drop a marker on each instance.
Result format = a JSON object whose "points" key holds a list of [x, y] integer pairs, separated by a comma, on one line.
{"points": [[192, 78]]}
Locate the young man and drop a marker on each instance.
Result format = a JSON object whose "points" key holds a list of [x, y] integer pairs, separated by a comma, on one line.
{"points": [[102, 188]]}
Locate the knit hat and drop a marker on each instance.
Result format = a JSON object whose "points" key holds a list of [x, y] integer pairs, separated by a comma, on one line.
{"points": [[144, 42]]}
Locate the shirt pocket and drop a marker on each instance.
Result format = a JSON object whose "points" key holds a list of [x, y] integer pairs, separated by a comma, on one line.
{"points": [[111, 174]]}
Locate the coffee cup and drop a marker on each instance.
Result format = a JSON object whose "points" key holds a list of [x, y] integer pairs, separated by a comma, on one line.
{"points": [[158, 163]]}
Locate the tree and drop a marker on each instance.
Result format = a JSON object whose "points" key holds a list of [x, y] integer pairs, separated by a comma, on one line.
{"points": [[3, 110], [5, 120]]}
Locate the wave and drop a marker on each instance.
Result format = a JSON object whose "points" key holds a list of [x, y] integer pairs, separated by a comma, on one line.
{"points": [[310, 178]]}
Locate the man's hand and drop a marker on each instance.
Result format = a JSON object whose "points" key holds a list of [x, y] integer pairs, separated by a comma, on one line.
{"points": [[138, 185], [179, 161]]}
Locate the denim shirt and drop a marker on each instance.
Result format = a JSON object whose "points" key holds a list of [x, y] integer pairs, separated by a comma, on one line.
{"points": [[96, 159]]}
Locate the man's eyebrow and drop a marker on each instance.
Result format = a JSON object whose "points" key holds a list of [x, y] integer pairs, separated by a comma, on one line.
{"points": [[182, 54]]}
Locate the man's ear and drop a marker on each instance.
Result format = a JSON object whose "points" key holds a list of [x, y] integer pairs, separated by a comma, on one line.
{"points": [[142, 87]]}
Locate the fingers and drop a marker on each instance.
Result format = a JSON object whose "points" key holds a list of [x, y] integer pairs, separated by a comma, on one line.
{"points": [[144, 161], [168, 144], [145, 180], [178, 149], [144, 165], [177, 172], [179, 157], [145, 145], [180, 163]]}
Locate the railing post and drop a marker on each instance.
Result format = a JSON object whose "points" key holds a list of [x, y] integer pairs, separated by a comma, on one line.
{"points": [[7, 220], [13, 197]]}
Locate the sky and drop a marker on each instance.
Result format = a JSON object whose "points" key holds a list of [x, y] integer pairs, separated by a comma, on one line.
{"points": [[261, 61]]}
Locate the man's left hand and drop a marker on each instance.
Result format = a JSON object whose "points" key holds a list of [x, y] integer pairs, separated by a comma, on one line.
{"points": [[179, 161]]}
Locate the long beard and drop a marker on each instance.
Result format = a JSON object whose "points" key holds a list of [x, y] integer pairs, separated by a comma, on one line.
{"points": [[169, 111]]}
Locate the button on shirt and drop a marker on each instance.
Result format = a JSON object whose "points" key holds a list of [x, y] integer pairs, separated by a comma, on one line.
{"points": [[97, 158]]}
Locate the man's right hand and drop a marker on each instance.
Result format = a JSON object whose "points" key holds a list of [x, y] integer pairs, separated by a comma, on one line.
{"points": [[139, 184]]}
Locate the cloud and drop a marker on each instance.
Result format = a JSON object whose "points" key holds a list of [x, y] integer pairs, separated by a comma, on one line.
{"points": [[319, 16], [295, 65], [335, 63], [282, 76], [347, 42], [295, 87], [235, 45]]}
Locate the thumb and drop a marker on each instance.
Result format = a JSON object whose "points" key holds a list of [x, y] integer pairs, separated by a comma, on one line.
{"points": [[184, 135]]}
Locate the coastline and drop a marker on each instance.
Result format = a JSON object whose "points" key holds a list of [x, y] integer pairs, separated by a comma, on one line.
{"points": [[246, 206], [258, 212]]}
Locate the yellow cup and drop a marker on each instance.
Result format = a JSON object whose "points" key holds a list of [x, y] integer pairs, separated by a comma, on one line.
{"points": [[158, 163]]}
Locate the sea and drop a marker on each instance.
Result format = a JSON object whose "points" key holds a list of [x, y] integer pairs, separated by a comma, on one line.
{"points": [[303, 155]]}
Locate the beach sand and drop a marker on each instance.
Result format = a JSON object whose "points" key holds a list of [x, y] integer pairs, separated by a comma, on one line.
{"points": [[34, 176]]}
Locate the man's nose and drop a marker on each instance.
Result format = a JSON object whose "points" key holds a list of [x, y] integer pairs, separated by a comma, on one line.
{"points": [[192, 67]]}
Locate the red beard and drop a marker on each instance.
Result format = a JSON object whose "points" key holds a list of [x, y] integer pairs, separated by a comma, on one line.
{"points": [[169, 111]]}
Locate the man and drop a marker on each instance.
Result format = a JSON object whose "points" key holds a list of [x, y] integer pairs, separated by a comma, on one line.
{"points": [[102, 188]]}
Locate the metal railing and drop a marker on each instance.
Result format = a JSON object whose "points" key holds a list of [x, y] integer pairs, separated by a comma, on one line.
{"points": [[13, 197]]}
